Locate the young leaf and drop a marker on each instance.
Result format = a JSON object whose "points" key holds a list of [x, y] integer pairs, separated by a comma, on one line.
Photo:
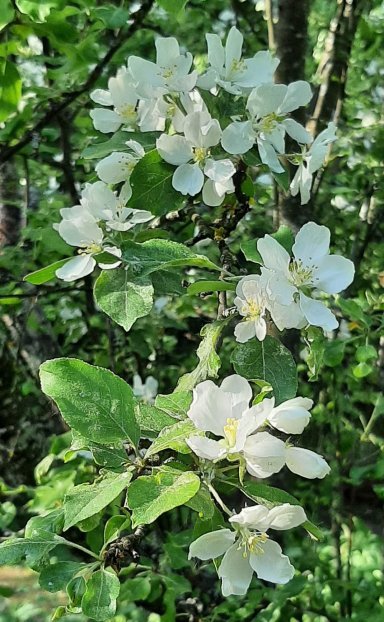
{"points": [[99, 600], [85, 500], [267, 360], [45, 274], [151, 183], [152, 495], [175, 404], [210, 286], [55, 577], [173, 437], [123, 301], [143, 259], [92, 400], [209, 360]]}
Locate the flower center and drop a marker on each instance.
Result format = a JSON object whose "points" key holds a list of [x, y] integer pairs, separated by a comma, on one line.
{"points": [[237, 66], [199, 154], [128, 113], [255, 542], [91, 249], [230, 431], [300, 274], [252, 310], [168, 73]]}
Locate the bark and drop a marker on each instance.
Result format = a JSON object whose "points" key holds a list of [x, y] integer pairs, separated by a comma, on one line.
{"points": [[291, 47]]}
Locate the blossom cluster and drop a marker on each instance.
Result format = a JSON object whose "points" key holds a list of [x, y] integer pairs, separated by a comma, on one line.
{"points": [[170, 98]]}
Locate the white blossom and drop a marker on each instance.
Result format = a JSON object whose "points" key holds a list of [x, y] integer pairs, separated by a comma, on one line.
{"points": [[147, 390], [310, 160], [268, 106], [191, 154], [118, 166], [249, 549], [169, 74], [312, 268], [230, 71], [251, 302]]}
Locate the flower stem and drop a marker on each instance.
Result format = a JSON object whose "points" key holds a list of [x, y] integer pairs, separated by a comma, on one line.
{"points": [[219, 500]]}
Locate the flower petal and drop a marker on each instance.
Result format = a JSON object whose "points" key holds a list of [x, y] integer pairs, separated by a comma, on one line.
{"points": [[298, 94], [292, 416], [206, 447], [306, 463], [233, 47], [317, 314], [188, 179], [255, 517], [105, 120], [76, 268], [216, 56], [297, 132], [238, 137], [210, 408], [272, 565], [311, 243], [286, 516], [274, 256], [265, 99], [333, 274], [211, 545], [245, 330], [239, 388], [174, 149], [264, 454], [235, 572]]}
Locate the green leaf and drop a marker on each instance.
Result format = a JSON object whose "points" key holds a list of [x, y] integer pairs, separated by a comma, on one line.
{"points": [[152, 495], [7, 13], [364, 353], [282, 180], [173, 7], [10, 89], [55, 577], [112, 457], [85, 500], [151, 419], [123, 301], [37, 10], [334, 352], [175, 404], [173, 437], [210, 286], [143, 259], [202, 503], [118, 142], [151, 183], [45, 274], [362, 370], [15, 550], [316, 345], [267, 360], [92, 400], [99, 600], [114, 526], [283, 236], [52, 522], [270, 497], [137, 588], [209, 361]]}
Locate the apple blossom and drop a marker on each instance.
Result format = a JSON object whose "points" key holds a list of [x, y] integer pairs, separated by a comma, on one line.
{"points": [[147, 390], [118, 166], [311, 268], [251, 302], [268, 106], [231, 72], [310, 161], [249, 549], [191, 154]]}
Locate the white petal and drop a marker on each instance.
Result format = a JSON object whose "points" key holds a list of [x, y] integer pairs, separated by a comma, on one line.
{"points": [[311, 243], [317, 314], [287, 316], [206, 447], [264, 454], [167, 50], [174, 149], [215, 51], [239, 388], [122, 91], [286, 516], [102, 97], [76, 268], [244, 331], [276, 137], [188, 179], [291, 416], [212, 545], [266, 99], [105, 120], [219, 170], [98, 199], [144, 71], [306, 463], [268, 156], [298, 94], [233, 48], [297, 131], [255, 517], [333, 274], [272, 565], [210, 196], [258, 70], [238, 137], [80, 232], [210, 408], [235, 572], [116, 167], [274, 256]]}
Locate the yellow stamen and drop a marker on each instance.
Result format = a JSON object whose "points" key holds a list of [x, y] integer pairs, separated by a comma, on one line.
{"points": [[230, 431], [199, 154]]}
